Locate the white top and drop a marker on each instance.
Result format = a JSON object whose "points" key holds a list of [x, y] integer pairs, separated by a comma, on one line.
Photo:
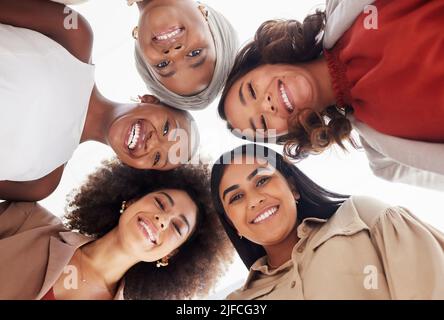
{"points": [[391, 158], [44, 97]]}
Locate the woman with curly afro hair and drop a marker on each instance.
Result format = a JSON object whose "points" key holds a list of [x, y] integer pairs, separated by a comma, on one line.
{"points": [[127, 234], [353, 66]]}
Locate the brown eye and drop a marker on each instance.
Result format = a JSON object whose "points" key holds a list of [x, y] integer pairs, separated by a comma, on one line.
{"points": [[262, 181], [159, 203], [195, 53], [162, 65], [264, 123], [156, 159], [177, 229], [234, 198], [251, 90], [166, 128]]}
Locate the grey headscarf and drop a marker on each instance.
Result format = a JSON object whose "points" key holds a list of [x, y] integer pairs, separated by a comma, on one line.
{"points": [[226, 44]]}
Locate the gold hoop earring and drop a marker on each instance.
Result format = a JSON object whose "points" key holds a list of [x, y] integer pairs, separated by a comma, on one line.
{"points": [[122, 209], [136, 33], [297, 201], [240, 237], [162, 262]]}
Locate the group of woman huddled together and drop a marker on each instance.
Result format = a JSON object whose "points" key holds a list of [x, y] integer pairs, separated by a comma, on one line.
{"points": [[151, 225]]}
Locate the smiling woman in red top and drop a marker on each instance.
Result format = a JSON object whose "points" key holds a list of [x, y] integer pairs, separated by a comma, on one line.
{"points": [[389, 78]]}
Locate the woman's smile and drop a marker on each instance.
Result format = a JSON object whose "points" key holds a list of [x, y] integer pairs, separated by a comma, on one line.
{"points": [[136, 136], [148, 230], [169, 35], [265, 214], [286, 103]]}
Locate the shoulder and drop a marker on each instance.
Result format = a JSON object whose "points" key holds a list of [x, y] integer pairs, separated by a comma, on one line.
{"points": [[33, 213], [341, 14], [368, 209], [18, 217], [34, 190], [238, 294], [78, 35]]}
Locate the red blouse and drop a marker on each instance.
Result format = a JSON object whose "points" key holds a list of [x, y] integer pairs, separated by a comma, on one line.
{"points": [[49, 295], [393, 76]]}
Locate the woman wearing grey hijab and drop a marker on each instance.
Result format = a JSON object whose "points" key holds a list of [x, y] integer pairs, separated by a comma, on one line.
{"points": [[184, 51]]}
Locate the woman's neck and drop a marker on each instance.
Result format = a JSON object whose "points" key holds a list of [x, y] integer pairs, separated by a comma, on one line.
{"points": [[108, 258], [101, 114], [319, 70], [280, 253]]}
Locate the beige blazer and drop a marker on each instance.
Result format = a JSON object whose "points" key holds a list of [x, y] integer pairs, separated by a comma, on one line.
{"points": [[367, 250], [34, 249]]}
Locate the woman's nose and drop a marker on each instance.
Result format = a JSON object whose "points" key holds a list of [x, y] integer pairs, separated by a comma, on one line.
{"points": [[256, 202], [268, 105], [162, 220], [152, 143], [173, 48]]}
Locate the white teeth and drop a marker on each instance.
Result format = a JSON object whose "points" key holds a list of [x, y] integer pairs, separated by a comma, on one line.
{"points": [[168, 35], [284, 96], [265, 215], [148, 230], [134, 136]]}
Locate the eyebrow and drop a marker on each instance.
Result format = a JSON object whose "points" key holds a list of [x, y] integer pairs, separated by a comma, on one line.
{"points": [[175, 130], [264, 123], [257, 171], [252, 124], [170, 200], [253, 174], [199, 63], [241, 95], [167, 75], [229, 189]]}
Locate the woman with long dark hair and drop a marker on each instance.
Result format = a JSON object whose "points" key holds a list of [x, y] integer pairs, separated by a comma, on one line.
{"points": [[301, 241], [127, 234], [372, 66]]}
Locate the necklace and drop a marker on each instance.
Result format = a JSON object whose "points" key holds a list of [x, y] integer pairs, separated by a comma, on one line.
{"points": [[82, 277]]}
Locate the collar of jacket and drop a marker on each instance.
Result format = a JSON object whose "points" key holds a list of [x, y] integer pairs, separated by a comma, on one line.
{"points": [[61, 251], [345, 222]]}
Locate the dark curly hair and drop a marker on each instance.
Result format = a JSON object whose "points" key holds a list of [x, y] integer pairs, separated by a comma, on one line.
{"points": [[93, 210], [291, 42]]}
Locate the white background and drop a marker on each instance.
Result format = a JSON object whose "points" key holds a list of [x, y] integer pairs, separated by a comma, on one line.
{"points": [[116, 76]]}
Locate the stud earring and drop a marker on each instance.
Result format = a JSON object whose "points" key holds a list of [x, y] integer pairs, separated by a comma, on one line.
{"points": [[162, 262], [122, 209], [204, 11], [136, 33]]}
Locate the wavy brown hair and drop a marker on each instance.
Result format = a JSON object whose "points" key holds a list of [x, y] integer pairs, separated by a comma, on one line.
{"points": [[292, 42], [192, 272]]}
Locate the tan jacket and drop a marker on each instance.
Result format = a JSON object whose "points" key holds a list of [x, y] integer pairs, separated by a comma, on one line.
{"points": [[34, 249], [366, 250]]}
